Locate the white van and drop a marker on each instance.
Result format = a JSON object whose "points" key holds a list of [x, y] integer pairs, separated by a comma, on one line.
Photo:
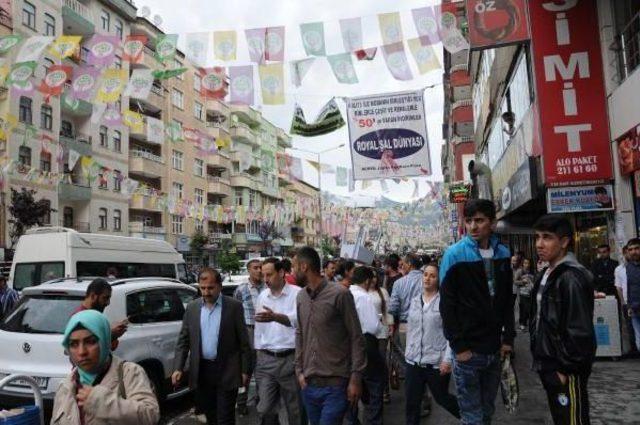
{"points": [[47, 253]]}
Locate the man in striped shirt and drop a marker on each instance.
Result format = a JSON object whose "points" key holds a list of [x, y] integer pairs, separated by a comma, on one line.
{"points": [[8, 297]]}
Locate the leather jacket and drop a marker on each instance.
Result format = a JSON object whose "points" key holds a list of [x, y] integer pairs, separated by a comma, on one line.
{"points": [[562, 335]]}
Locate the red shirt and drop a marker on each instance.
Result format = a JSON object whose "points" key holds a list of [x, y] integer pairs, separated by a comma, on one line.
{"points": [[290, 279], [80, 308]]}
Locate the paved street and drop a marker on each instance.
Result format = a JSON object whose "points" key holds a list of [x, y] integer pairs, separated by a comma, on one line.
{"points": [[614, 389]]}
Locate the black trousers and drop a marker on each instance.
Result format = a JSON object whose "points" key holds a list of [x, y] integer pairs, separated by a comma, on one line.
{"points": [[525, 305], [416, 379], [216, 403], [569, 402]]}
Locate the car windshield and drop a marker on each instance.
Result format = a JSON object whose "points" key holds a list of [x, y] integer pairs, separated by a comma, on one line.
{"points": [[46, 314]]}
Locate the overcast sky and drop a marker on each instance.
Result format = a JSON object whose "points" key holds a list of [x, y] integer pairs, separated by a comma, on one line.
{"points": [[320, 85]]}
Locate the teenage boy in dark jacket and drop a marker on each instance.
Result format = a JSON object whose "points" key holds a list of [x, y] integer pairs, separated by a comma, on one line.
{"points": [[562, 337], [476, 304]]}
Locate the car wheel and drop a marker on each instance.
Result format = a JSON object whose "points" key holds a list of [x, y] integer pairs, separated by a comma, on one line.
{"points": [[157, 383]]}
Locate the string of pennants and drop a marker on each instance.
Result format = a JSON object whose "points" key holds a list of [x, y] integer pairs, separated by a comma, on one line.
{"points": [[266, 48]]}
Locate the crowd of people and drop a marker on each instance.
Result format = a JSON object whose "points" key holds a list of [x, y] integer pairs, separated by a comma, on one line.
{"points": [[326, 339]]}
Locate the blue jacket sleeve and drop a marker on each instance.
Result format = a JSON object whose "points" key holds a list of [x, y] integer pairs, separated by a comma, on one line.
{"points": [[452, 325]]}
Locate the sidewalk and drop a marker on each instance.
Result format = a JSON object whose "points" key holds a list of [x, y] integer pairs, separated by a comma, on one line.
{"points": [[614, 391]]}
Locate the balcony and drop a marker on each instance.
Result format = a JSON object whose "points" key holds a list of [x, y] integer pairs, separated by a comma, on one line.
{"points": [[78, 226], [74, 107], [284, 140], [460, 58], [246, 114], [219, 161], [243, 180], [219, 236], [148, 61], [80, 143], [218, 108], [243, 133], [284, 179], [77, 18], [146, 164], [218, 186], [138, 229], [79, 191], [5, 18], [126, 7], [144, 203]]}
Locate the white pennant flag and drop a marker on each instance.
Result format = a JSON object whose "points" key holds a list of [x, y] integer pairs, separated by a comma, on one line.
{"points": [[352, 183], [245, 161], [33, 48], [74, 156], [383, 185], [299, 69], [140, 83], [155, 130], [129, 186], [97, 113], [351, 34], [416, 189], [197, 44]]}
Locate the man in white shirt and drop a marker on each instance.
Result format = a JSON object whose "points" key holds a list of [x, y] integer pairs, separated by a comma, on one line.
{"points": [[275, 342], [620, 277], [373, 377]]}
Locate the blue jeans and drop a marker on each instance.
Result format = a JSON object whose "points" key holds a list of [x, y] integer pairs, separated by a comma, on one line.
{"points": [[477, 382], [325, 405]]}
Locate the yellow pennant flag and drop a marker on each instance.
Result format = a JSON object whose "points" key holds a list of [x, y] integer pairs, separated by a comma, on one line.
{"points": [[424, 55], [225, 45], [272, 83], [315, 165], [5, 68], [223, 142], [390, 27], [134, 121], [65, 46], [111, 85]]}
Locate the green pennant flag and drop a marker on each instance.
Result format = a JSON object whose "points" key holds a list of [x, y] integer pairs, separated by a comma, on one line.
{"points": [[166, 45], [8, 42], [329, 119], [168, 73]]}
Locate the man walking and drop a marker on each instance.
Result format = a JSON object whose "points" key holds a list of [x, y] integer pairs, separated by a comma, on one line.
{"points": [[562, 337], [330, 356], [8, 297], [603, 270], [214, 338], [247, 293], [329, 269], [98, 297], [275, 342], [405, 289], [476, 304], [391, 273]]}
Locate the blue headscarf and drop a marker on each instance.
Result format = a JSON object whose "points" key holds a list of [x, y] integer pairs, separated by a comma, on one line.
{"points": [[96, 323]]}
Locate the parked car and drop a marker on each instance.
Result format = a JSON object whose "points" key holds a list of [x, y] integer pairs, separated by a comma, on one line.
{"points": [[31, 336]]}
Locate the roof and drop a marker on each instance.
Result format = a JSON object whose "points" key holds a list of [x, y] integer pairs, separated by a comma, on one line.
{"points": [[77, 286]]}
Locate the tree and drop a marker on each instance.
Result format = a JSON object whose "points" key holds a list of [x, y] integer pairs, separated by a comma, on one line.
{"points": [[328, 246], [229, 262], [26, 212], [198, 242], [268, 231]]}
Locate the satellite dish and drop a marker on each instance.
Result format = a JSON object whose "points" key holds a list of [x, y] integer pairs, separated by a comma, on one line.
{"points": [[157, 20], [145, 12]]}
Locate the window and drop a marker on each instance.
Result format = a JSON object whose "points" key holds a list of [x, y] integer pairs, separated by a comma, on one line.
{"points": [[177, 160], [176, 224], [45, 161], [24, 156], [197, 82], [29, 15], [177, 64], [24, 113], [66, 128], [106, 20], [102, 214], [117, 181], [46, 64], [46, 117], [117, 220], [199, 196], [125, 270], [49, 25], [199, 226], [32, 274], [177, 190], [158, 305], [198, 167], [118, 63], [239, 193], [102, 182], [104, 142], [117, 141], [252, 198], [67, 217], [47, 217], [177, 99], [197, 110], [118, 25], [84, 55]]}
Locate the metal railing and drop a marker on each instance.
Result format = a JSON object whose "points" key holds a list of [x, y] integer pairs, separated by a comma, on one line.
{"points": [[147, 155], [78, 226], [140, 227], [79, 8], [627, 48]]}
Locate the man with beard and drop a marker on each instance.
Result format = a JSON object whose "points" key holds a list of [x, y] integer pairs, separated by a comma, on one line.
{"points": [[330, 347], [98, 297]]}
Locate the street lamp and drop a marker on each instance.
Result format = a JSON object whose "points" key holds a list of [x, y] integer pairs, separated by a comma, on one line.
{"points": [[317, 154]]}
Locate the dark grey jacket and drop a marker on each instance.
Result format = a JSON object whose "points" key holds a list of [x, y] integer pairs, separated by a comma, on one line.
{"points": [[233, 344]]}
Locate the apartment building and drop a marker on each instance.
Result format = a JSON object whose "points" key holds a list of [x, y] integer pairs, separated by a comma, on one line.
{"points": [[305, 231], [88, 205]]}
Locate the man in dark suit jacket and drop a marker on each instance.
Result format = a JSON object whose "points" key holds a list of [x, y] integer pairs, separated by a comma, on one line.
{"points": [[214, 333]]}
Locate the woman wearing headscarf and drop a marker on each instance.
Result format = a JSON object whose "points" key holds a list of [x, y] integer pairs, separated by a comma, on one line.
{"points": [[101, 389]]}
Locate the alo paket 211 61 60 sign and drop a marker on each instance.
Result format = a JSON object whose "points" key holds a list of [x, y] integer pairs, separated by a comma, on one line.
{"points": [[568, 67]]}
